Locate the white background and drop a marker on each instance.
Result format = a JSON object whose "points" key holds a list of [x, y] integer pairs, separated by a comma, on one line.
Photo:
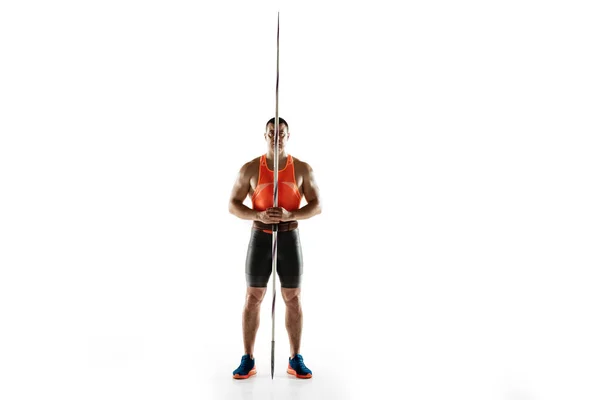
{"points": [[455, 145]]}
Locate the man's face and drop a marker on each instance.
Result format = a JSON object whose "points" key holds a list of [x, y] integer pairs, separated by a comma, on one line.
{"points": [[270, 135]]}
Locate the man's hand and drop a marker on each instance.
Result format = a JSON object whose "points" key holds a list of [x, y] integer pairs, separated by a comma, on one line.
{"points": [[274, 215]]}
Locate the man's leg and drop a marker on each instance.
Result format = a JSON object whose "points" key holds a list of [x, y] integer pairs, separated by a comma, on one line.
{"points": [[251, 316], [293, 317]]}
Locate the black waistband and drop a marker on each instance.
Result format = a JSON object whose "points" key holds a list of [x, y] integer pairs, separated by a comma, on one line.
{"points": [[281, 227]]}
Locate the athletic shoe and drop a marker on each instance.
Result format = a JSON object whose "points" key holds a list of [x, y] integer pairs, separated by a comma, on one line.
{"points": [[246, 368], [296, 367]]}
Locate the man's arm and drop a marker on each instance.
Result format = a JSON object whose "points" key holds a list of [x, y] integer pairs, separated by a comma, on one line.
{"points": [[311, 194], [241, 188]]}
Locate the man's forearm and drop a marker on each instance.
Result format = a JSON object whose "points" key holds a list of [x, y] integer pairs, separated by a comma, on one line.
{"points": [[309, 210], [242, 211]]}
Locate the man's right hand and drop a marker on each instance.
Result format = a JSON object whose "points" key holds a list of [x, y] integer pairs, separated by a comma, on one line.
{"points": [[263, 216]]}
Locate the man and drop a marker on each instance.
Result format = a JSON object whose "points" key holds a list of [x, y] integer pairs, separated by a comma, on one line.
{"points": [[255, 179]]}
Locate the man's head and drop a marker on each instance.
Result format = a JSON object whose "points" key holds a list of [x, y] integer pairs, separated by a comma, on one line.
{"points": [[283, 133]]}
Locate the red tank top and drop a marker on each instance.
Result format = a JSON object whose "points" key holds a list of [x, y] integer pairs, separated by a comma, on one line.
{"points": [[288, 195]]}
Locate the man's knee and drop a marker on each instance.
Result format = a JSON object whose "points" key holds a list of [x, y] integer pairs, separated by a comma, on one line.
{"points": [[291, 297], [254, 297]]}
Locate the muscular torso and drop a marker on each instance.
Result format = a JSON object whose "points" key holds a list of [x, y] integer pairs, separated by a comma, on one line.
{"points": [[298, 172]]}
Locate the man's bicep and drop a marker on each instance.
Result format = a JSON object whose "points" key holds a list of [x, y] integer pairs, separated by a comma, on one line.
{"points": [[241, 188], [311, 189]]}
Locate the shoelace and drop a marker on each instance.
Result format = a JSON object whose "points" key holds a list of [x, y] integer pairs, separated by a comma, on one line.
{"points": [[246, 362], [300, 363]]}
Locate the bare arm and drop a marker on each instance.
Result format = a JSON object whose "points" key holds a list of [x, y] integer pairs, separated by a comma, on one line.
{"points": [[311, 194], [240, 191]]}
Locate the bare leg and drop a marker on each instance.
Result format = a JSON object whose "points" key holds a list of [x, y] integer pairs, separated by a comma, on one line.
{"points": [[251, 317], [293, 317]]}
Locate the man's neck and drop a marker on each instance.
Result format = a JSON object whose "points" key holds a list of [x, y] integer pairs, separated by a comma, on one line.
{"points": [[282, 156]]}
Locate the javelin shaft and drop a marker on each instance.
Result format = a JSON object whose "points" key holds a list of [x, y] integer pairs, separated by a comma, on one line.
{"points": [[275, 198]]}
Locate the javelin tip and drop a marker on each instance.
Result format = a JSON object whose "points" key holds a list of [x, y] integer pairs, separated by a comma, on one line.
{"points": [[272, 358]]}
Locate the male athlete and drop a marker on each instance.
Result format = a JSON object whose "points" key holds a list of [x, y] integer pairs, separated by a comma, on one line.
{"points": [[295, 180]]}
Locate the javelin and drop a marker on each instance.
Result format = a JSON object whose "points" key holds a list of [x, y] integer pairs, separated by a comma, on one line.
{"points": [[275, 179]]}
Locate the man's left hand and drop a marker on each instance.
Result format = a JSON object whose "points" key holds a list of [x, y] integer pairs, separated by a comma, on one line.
{"points": [[279, 213]]}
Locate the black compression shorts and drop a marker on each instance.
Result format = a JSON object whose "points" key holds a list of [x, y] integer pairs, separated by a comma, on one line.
{"points": [[259, 259]]}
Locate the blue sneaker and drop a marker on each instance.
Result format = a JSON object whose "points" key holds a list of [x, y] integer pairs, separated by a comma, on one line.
{"points": [[246, 368], [296, 367]]}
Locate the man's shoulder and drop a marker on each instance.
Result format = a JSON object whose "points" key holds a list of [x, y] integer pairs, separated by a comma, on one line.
{"points": [[301, 164], [250, 166]]}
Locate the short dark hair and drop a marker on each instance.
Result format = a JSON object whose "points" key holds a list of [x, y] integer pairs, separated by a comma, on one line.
{"points": [[281, 121]]}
